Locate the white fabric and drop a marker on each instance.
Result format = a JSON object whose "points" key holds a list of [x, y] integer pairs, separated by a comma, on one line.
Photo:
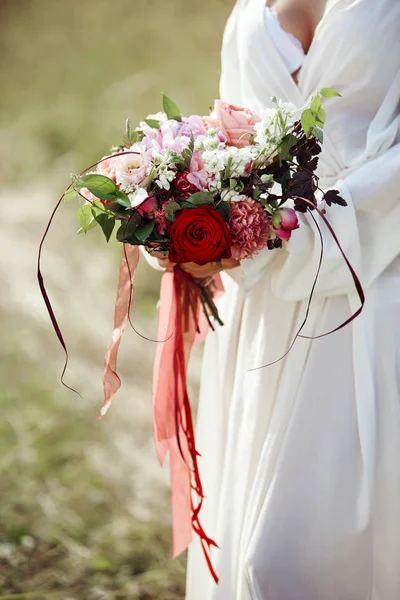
{"points": [[288, 46], [300, 461]]}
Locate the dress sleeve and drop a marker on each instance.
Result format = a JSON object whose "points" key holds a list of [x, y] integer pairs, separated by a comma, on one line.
{"points": [[368, 230], [153, 262]]}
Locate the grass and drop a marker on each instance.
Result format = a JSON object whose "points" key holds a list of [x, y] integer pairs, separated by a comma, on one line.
{"points": [[85, 507]]}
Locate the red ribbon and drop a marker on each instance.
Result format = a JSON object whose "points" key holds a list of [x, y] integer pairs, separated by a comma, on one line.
{"points": [[181, 323]]}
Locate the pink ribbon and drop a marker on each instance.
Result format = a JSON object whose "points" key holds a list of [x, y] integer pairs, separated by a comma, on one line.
{"points": [[181, 325], [128, 266]]}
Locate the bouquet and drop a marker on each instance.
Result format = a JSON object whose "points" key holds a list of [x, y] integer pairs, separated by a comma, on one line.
{"points": [[197, 189]]}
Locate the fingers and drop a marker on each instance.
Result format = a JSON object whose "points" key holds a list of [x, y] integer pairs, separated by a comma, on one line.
{"points": [[201, 271], [165, 263], [229, 263]]}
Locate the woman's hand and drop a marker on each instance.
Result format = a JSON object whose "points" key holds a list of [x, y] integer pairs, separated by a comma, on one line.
{"points": [[197, 271], [210, 269]]}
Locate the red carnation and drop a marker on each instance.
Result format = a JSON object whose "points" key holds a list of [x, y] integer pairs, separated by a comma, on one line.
{"points": [[183, 186], [199, 235]]}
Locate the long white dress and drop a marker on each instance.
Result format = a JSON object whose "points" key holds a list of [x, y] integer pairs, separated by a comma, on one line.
{"points": [[301, 460]]}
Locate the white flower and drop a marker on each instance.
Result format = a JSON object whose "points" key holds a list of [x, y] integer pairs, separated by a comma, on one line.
{"points": [[214, 160], [209, 141], [138, 196], [232, 196], [164, 178], [274, 125]]}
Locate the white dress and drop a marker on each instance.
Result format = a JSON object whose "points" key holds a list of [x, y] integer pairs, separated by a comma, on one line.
{"points": [[301, 460]]}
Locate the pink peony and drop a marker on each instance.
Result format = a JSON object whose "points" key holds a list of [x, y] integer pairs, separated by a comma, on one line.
{"points": [[174, 135], [195, 124], [236, 124], [249, 228], [289, 222]]}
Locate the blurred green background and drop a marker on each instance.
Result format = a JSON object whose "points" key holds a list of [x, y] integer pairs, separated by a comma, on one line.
{"points": [[84, 510]]}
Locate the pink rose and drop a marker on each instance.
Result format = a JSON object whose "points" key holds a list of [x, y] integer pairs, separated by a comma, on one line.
{"points": [[235, 123], [289, 222]]}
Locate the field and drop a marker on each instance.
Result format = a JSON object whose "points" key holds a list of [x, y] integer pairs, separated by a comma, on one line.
{"points": [[84, 512]]}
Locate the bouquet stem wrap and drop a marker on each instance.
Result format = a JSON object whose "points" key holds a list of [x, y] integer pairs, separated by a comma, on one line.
{"points": [[181, 321]]}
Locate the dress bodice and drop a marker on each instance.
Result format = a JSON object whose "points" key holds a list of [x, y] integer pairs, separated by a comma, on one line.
{"points": [[254, 68], [288, 46]]}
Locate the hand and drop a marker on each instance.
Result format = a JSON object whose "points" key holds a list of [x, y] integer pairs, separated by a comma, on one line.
{"points": [[209, 270], [163, 260]]}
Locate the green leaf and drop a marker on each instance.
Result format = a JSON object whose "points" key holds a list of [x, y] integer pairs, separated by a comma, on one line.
{"points": [[200, 198], [232, 184], [308, 121], [329, 93], [99, 185], [171, 109], [318, 133], [85, 217], [276, 219], [187, 154], [285, 180], [115, 207], [93, 223], [224, 209], [153, 123], [170, 211], [127, 230], [143, 233], [315, 105], [287, 143], [239, 187], [69, 195], [97, 208], [122, 199], [321, 117], [107, 223]]}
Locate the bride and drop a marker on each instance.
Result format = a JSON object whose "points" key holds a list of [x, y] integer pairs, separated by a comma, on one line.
{"points": [[300, 461]]}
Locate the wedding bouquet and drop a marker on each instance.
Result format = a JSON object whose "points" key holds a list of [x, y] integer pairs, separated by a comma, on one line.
{"points": [[197, 189]]}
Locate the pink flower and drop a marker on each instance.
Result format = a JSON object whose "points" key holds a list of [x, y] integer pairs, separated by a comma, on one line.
{"points": [[162, 224], [249, 228], [173, 135], [236, 124], [132, 169], [87, 195], [148, 207], [195, 125], [289, 222], [198, 175], [108, 167]]}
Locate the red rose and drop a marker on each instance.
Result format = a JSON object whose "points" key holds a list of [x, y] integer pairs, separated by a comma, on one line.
{"points": [[183, 186], [199, 235]]}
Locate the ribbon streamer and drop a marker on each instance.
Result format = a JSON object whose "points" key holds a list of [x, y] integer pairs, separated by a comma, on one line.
{"points": [[181, 324], [127, 270]]}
